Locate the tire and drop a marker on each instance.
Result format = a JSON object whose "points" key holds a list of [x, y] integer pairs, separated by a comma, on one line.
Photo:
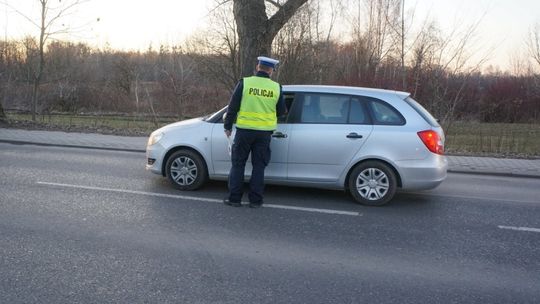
{"points": [[372, 183], [186, 170]]}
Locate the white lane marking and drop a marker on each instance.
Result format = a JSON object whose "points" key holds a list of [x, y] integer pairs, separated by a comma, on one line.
{"points": [[469, 197], [520, 228], [329, 211], [194, 198]]}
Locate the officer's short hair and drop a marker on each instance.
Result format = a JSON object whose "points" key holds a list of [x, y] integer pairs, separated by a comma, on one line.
{"points": [[265, 68]]}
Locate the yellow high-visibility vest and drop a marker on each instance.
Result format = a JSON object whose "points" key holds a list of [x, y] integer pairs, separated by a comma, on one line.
{"points": [[258, 106]]}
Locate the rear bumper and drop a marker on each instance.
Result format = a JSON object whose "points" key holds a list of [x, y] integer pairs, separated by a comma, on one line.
{"points": [[423, 174]]}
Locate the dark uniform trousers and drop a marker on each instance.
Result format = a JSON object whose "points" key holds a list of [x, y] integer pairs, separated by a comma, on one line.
{"points": [[258, 144]]}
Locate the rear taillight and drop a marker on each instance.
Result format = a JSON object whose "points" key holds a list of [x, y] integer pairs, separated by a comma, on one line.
{"points": [[432, 140]]}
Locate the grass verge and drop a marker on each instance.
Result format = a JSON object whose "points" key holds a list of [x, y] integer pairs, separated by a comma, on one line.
{"points": [[499, 139]]}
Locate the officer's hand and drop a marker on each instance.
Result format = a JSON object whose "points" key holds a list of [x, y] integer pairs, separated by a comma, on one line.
{"points": [[228, 133]]}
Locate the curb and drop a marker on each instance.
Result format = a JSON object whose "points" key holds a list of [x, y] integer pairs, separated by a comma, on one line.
{"points": [[18, 142], [493, 173]]}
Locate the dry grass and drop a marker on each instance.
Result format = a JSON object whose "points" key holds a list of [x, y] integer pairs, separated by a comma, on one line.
{"points": [[94, 122], [503, 139]]}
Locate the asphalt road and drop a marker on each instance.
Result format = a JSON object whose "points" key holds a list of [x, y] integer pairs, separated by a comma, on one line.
{"points": [[87, 226]]}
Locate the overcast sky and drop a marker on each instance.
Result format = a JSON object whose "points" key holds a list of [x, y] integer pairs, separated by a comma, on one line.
{"points": [[134, 24]]}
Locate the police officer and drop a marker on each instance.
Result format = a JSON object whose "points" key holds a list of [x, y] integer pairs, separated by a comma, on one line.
{"points": [[256, 103]]}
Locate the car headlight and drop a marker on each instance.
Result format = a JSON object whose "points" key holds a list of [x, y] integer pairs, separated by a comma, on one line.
{"points": [[154, 138]]}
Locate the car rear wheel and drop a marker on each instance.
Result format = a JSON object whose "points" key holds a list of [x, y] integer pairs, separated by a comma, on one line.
{"points": [[372, 183], [186, 170]]}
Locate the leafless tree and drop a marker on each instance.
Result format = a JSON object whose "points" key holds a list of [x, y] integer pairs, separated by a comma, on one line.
{"points": [[534, 43], [294, 47], [233, 41], [534, 51], [443, 64], [520, 64], [372, 36], [5, 73], [256, 30], [12, 60], [401, 23], [177, 70], [51, 13], [306, 46], [218, 46]]}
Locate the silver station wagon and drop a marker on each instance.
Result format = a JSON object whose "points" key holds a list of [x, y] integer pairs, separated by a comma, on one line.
{"points": [[369, 142]]}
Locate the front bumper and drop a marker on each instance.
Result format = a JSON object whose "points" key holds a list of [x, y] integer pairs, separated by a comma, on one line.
{"points": [[154, 158]]}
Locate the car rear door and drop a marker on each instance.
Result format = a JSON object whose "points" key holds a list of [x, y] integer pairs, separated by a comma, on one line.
{"points": [[329, 130]]}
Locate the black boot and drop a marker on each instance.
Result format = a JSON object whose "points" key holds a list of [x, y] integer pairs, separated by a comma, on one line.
{"points": [[233, 204]]}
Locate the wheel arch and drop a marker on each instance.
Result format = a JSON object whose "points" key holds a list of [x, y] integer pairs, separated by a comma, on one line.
{"points": [[398, 176]]}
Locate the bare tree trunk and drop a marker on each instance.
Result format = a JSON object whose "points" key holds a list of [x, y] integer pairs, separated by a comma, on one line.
{"points": [[251, 26], [2, 114], [403, 69], [256, 31], [137, 93], [39, 73], [151, 104]]}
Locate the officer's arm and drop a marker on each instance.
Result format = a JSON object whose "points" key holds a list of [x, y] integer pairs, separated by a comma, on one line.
{"points": [[234, 106], [281, 107]]}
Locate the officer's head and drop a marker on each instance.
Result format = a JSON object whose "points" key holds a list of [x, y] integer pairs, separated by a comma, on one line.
{"points": [[265, 68], [266, 64]]}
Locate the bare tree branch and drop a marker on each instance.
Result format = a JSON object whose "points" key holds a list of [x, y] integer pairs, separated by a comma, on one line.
{"points": [[274, 3], [20, 14], [63, 11], [534, 43], [286, 11], [219, 3]]}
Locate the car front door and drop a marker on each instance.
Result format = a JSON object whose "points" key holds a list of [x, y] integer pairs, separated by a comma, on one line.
{"points": [[277, 167], [329, 130]]}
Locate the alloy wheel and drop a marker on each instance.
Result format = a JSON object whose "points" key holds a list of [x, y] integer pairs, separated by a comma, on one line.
{"points": [[372, 184], [184, 171]]}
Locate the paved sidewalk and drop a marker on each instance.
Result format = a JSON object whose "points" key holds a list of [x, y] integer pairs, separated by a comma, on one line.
{"points": [[463, 164]]}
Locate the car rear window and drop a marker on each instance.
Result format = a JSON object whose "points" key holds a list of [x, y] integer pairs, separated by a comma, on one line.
{"points": [[422, 111]]}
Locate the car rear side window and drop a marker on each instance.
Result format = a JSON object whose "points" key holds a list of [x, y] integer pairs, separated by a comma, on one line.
{"points": [[422, 111], [384, 114]]}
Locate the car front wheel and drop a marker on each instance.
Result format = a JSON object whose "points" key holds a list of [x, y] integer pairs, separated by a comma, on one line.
{"points": [[372, 183], [186, 170]]}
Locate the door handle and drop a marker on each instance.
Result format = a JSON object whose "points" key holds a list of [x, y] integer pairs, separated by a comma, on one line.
{"points": [[279, 135], [354, 135]]}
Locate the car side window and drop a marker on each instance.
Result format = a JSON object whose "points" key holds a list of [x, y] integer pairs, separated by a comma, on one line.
{"points": [[385, 114], [289, 98], [358, 114], [324, 108]]}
